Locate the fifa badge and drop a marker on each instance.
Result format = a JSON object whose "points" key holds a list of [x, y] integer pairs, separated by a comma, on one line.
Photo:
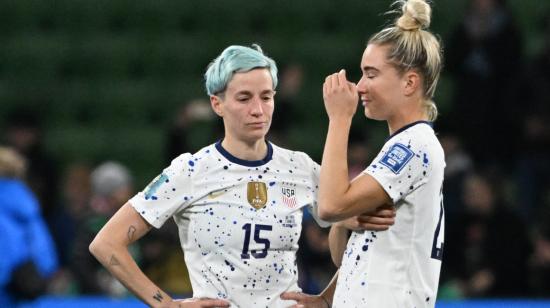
{"points": [[256, 193]]}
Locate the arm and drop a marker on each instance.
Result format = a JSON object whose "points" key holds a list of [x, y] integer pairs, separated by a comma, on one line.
{"points": [[337, 241], [340, 199], [110, 247], [322, 300], [328, 292], [380, 220]]}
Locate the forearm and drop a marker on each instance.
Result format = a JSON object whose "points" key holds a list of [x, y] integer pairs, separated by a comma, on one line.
{"points": [[110, 247], [333, 181], [337, 241], [119, 262], [328, 292]]}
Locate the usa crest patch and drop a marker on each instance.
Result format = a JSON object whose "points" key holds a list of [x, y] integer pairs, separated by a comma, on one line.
{"points": [[397, 157], [289, 196]]}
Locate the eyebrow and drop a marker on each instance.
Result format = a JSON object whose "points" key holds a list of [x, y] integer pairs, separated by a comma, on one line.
{"points": [[367, 68], [246, 92]]}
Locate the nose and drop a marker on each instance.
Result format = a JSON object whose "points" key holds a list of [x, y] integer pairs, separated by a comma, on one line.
{"points": [[256, 108], [362, 85]]}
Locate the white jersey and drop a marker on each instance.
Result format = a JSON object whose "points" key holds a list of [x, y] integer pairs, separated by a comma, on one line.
{"points": [[400, 267], [239, 221]]}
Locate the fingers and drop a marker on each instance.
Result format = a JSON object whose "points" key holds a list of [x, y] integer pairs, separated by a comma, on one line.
{"points": [[376, 220], [292, 295], [381, 213], [387, 206], [334, 83], [336, 80], [352, 87], [341, 76], [207, 303], [374, 227], [325, 88]]}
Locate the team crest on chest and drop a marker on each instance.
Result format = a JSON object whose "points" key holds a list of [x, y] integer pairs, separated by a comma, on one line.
{"points": [[289, 196], [256, 193]]}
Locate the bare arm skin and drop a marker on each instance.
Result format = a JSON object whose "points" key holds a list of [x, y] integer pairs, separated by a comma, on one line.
{"points": [[340, 199], [323, 300], [110, 247]]}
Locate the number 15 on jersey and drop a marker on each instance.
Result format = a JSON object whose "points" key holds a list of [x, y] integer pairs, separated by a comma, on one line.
{"points": [[258, 228]]}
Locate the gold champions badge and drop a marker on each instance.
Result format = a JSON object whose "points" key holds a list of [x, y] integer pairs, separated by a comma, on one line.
{"points": [[256, 193]]}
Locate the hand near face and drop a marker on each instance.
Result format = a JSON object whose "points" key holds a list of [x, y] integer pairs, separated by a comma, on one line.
{"points": [[340, 96]]}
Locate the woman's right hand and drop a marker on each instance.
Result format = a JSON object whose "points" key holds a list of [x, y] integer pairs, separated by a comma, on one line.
{"points": [[340, 96], [380, 220], [199, 303]]}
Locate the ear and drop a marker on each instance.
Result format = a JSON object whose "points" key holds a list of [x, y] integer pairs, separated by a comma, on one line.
{"points": [[412, 82], [216, 103]]}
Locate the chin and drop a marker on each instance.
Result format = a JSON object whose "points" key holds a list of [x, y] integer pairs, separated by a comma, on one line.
{"points": [[370, 115], [255, 136]]}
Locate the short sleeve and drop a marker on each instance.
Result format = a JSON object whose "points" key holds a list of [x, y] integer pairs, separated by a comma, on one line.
{"points": [[400, 168], [168, 193]]}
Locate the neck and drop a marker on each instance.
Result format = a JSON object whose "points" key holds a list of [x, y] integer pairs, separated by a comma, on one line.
{"points": [[255, 150], [405, 117]]}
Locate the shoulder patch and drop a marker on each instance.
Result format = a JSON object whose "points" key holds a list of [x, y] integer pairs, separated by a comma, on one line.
{"points": [[397, 157], [152, 188]]}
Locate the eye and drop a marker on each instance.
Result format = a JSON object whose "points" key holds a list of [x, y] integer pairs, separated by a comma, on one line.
{"points": [[243, 99], [267, 98]]}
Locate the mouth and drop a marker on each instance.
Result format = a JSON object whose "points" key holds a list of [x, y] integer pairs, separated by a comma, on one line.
{"points": [[256, 124]]}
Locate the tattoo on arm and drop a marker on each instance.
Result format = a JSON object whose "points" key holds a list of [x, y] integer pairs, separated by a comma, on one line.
{"points": [[114, 261], [131, 232], [158, 297]]}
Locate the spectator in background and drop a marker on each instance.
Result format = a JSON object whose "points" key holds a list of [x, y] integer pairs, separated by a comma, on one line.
{"points": [[540, 260], [67, 219], [360, 153], [178, 139], [112, 185], [488, 253], [458, 165], [291, 82], [534, 158], [485, 62], [24, 133], [28, 256]]}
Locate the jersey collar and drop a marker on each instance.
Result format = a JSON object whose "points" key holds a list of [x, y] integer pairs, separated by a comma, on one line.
{"points": [[246, 163], [408, 126]]}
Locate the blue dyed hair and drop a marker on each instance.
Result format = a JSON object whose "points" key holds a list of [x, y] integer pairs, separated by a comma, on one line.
{"points": [[236, 59]]}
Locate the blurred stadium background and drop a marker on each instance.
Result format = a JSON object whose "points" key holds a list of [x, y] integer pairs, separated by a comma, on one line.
{"points": [[120, 80]]}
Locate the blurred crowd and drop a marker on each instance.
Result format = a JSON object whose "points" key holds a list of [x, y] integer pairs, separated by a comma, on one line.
{"points": [[496, 137]]}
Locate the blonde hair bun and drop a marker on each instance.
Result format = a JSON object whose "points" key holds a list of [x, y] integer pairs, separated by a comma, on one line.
{"points": [[416, 15]]}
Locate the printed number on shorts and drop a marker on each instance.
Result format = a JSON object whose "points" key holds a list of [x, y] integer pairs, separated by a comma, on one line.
{"points": [[257, 238]]}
